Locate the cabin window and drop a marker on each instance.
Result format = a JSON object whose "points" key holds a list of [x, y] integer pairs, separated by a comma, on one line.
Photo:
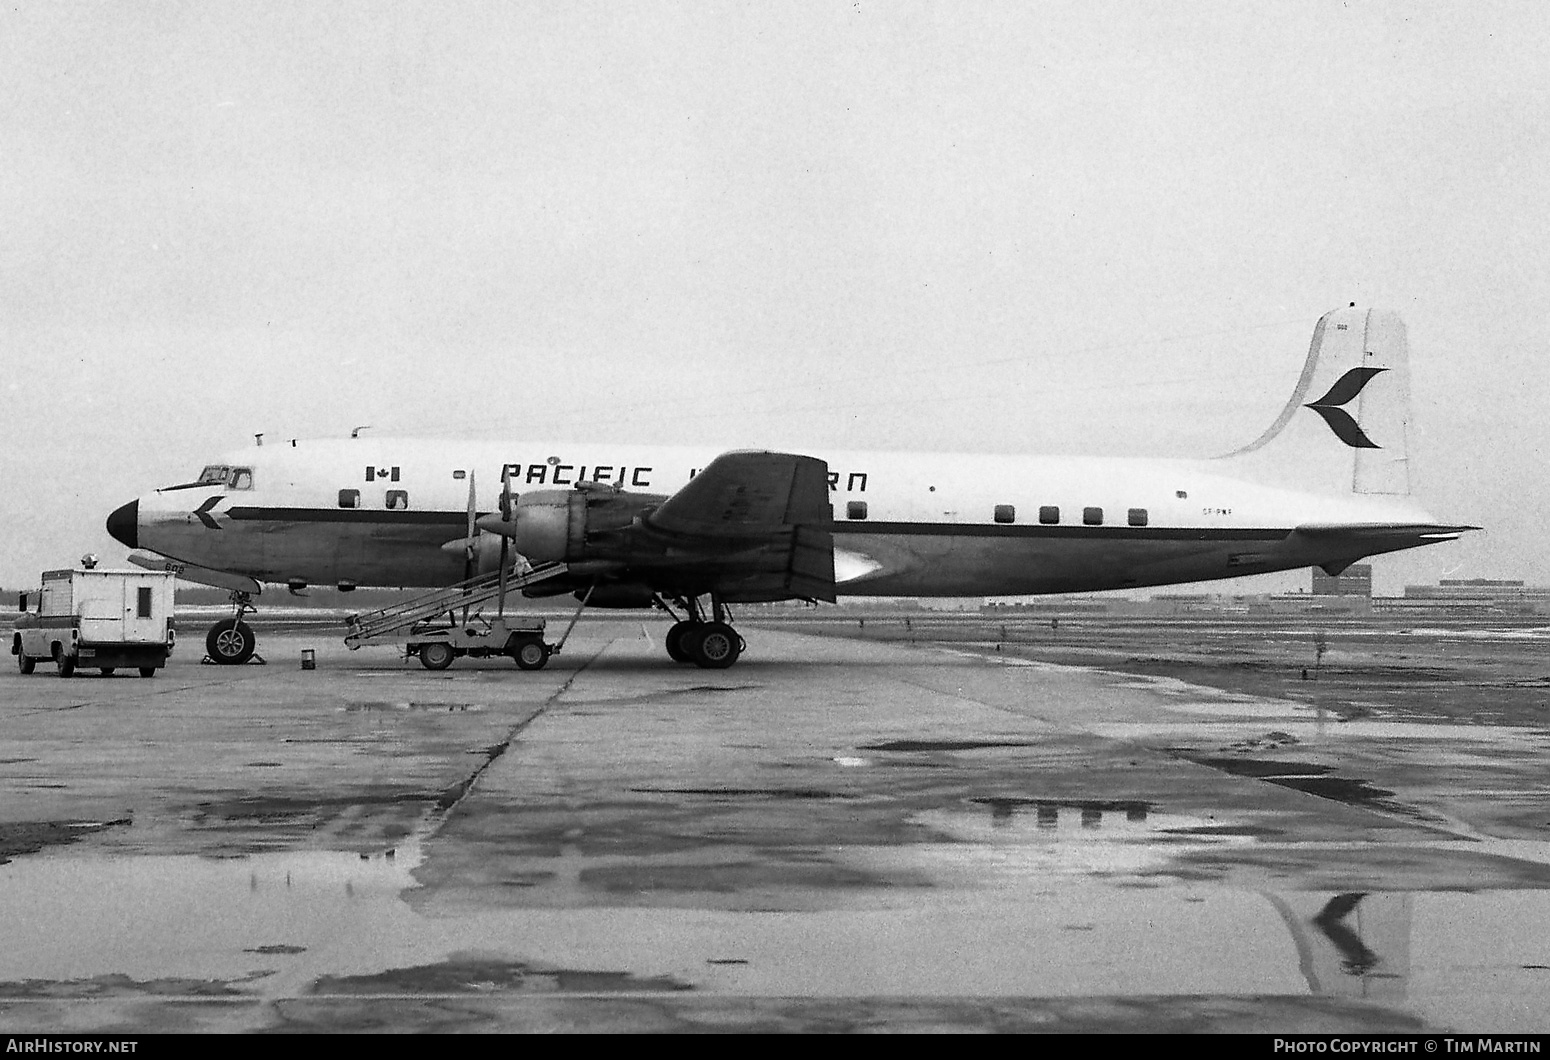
{"points": [[241, 478], [460, 475], [143, 602], [397, 500], [1182, 495], [1006, 513], [1092, 516], [349, 498], [1138, 517], [1049, 513], [855, 509]]}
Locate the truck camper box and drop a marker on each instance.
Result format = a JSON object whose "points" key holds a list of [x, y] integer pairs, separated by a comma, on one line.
{"points": [[99, 619]]}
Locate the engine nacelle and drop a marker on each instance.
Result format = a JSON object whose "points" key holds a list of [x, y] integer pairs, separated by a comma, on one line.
{"points": [[549, 526]]}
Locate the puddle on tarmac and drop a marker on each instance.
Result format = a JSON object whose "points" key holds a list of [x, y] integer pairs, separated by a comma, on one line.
{"points": [[943, 745], [1006, 842], [408, 705], [1308, 778], [64, 917], [314, 923], [750, 793]]}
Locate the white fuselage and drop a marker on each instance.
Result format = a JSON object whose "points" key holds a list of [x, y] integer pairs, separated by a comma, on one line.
{"points": [[379, 512]]}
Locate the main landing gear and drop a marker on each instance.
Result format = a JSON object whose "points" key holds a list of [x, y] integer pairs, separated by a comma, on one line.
{"points": [[712, 644], [231, 641]]}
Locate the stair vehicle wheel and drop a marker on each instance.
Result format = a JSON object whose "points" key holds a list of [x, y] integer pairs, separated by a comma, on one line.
{"points": [[26, 663], [147, 671], [436, 655], [230, 642], [531, 655], [66, 663], [714, 646], [674, 640]]}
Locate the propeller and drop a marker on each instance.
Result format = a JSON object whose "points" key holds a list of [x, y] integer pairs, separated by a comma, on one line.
{"points": [[470, 542], [505, 539]]}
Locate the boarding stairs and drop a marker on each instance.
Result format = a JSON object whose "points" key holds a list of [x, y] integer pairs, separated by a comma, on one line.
{"points": [[388, 621]]}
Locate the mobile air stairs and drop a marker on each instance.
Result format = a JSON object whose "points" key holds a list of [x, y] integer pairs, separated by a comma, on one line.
{"points": [[427, 625]]}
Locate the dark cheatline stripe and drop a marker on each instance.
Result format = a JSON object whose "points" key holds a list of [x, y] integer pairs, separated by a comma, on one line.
{"points": [[1124, 533], [1128, 533], [349, 515], [859, 526]]}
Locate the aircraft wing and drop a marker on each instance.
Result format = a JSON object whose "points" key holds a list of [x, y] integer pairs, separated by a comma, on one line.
{"points": [[764, 516], [743, 494]]}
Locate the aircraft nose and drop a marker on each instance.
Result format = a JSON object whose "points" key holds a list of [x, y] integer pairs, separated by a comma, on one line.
{"points": [[124, 524]]}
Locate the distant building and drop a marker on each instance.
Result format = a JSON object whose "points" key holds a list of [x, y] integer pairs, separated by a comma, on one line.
{"points": [[1355, 580], [1480, 594]]}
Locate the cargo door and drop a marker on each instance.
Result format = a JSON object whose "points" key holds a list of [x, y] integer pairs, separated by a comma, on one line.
{"points": [[99, 601], [144, 609]]}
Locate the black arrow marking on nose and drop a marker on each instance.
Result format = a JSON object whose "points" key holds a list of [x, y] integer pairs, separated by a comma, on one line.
{"points": [[1345, 390], [203, 512]]}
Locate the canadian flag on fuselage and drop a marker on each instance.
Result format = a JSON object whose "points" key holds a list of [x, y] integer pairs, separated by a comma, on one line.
{"points": [[1346, 424]]}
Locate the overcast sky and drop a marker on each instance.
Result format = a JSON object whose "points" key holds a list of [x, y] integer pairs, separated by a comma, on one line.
{"points": [[1018, 227]]}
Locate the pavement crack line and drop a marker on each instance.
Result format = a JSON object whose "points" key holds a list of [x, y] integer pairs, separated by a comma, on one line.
{"points": [[449, 800]]}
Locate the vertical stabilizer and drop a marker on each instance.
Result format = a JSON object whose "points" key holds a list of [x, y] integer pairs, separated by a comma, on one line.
{"points": [[1345, 426]]}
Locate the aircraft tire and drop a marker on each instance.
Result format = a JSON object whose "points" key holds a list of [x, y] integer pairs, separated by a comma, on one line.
{"points": [[147, 671], [714, 645], [66, 663], [436, 656], [230, 642], [26, 663], [674, 641], [531, 655]]}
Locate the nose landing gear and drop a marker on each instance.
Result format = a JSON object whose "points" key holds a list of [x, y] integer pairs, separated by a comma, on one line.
{"points": [[231, 641]]}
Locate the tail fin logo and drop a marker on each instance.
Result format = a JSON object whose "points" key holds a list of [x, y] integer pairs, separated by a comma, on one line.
{"points": [[1345, 390]]}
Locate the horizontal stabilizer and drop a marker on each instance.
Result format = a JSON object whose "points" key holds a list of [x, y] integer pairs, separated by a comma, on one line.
{"points": [[1420, 533]]}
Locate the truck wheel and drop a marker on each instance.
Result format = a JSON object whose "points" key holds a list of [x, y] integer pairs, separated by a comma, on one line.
{"points": [[436, 655], [230, 642], [66, 663], [531, 655], [147, 671], [26, 663], [107, 671]]}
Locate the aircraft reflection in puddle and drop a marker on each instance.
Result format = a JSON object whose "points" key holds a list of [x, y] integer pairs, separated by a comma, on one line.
{"points": [[1354, 945]]}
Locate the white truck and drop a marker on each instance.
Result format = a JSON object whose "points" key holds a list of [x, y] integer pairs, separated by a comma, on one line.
{"points": [[97, 618]]}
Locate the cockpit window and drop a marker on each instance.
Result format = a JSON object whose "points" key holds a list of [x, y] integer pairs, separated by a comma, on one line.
{"points": [[237, 478]]}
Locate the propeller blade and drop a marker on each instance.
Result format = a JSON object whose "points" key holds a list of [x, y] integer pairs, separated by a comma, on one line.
{"points": [[471, 512], [505, 540], [472, 540]]}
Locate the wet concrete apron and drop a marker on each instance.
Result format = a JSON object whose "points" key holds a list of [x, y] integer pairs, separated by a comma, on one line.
{"points": [[833, 835]]}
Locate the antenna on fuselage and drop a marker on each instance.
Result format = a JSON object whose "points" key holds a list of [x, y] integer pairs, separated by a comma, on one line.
{"points": [[356, 433]]}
